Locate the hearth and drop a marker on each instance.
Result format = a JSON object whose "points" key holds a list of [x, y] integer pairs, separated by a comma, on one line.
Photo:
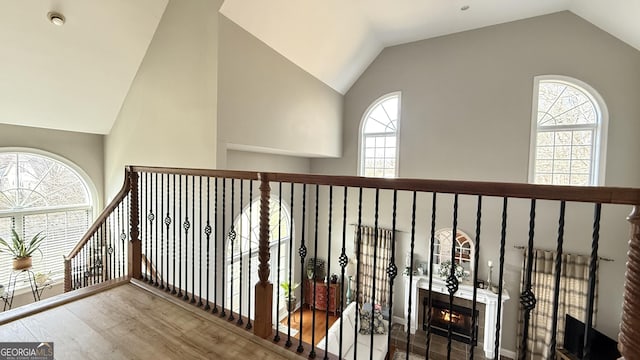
{"points": [[460, 318]]}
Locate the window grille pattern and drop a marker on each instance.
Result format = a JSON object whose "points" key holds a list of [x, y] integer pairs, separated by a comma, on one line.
{"points": [[379, 138]]}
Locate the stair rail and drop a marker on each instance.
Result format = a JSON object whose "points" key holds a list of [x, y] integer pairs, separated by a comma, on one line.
{"points": [[188, 225]]}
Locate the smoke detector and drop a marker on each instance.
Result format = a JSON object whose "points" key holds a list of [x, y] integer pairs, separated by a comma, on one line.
{"points": [[56, 18]]}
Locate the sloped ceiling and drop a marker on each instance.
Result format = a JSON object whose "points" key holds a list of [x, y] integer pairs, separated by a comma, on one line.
{"points": [[335, 40], [76, 76]]}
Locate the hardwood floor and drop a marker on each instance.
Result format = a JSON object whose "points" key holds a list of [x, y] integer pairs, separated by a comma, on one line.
{"points": [[128, 322], [307, 324]]}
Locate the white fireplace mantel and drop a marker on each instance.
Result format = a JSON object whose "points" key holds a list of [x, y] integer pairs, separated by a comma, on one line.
{"points": [[465, 291]]}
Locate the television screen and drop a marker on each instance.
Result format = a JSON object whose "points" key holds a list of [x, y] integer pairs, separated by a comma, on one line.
{"points": [[602, 346]]}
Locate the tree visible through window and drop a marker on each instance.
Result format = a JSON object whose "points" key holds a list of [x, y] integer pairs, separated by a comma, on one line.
{"points": [[38, 193], [567, 141], [379, 138]]}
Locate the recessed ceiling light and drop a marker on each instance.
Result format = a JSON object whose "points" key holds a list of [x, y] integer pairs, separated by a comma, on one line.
{"points": [[465, 7], [56, 18]]}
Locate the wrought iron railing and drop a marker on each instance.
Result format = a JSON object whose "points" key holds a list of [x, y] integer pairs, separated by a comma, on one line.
{"points": [[185, 224]]}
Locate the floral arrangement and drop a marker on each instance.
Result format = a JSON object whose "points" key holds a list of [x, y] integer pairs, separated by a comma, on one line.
{"points": [[445, 270]]}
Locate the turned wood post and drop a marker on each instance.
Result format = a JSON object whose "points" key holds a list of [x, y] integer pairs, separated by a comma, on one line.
{"points": [[629, 343], [264, 288], [135, 246], [67, 274]]}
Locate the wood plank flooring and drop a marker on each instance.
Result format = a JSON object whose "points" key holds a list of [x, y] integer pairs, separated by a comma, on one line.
{"points": [[128, 322], [307, 324]]}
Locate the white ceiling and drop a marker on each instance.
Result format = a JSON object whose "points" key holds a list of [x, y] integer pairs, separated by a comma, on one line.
{"points": [[335, 40], [74, 77]]}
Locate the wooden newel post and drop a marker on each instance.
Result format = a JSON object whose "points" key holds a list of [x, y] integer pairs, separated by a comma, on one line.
{"points": [[67, 274], [264, 288], [135, 246], [628, 340]]}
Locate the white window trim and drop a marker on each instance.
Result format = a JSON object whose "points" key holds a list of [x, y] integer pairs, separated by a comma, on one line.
{"points": [[398, 124], [600, 143]]}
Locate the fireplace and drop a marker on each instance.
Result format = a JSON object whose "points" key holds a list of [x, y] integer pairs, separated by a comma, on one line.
{"points": [[460, 318]]}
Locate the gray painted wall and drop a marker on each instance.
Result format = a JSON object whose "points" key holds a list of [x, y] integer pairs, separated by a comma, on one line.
{"points": [[466, 114], [169, 115], [84, 150], [267, 103]]}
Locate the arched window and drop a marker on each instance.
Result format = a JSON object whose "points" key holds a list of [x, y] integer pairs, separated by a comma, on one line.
{"points": [[379, 137], [568, 134], [243, 252], [41, 193]]}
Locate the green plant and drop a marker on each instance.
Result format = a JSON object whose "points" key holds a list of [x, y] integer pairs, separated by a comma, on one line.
{"points": [[19, 248], [287, 288]]}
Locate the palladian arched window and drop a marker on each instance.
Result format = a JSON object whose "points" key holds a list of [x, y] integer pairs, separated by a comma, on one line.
{"points": [[40, 193], [379, 137]]}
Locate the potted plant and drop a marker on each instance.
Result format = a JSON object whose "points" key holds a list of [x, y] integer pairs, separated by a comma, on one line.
{"points": [[289, 296], [21, 249]]}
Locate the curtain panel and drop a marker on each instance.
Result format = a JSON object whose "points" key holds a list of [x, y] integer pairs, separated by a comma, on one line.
{"points": [[375, 244], [572, 300]]}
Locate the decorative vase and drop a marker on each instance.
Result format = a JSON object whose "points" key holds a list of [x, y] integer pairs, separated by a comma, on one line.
{"points": [[291, 303], [22, 263]]}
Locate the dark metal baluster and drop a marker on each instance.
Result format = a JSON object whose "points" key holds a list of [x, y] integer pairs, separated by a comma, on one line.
{"points": [[161, 223], [124, 236], [527, 298], [151, 217], [291, 279], [392, 269], [343, 261], [144, 231], [503, 240], [223, 247], [593, 267], [476, 260], [102, 253], [200, 304], [359, 261], [558, 271], [328, 283], [173, 255], [312, 354], [215, 249], [232, 238], [240, 322], [375, 266], [186, 225], [118, 237], [302, 251], [431, 251], [412, 248], [277, 336], [452, 280], [249, 282], [156, 197], [207, 232], [193, 243], [178, 220]]}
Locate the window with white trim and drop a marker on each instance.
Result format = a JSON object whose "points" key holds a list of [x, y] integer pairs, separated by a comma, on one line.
{"points": [[379, 138], [244, 252], [39, 193], [568, 134]]}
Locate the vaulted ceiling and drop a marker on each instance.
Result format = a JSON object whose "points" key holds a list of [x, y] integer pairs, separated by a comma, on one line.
{"points": [[75, 77]]}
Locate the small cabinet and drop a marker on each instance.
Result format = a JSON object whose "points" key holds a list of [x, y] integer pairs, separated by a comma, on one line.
{"points": [[322, 301]]}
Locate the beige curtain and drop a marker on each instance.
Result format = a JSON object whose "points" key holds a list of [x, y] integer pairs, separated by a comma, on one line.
{"points": [[366, 236], [573, 292]]}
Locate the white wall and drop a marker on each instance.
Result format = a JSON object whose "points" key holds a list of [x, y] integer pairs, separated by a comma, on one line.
{"points": [[266, 103], [169, 115], [466, 114]]}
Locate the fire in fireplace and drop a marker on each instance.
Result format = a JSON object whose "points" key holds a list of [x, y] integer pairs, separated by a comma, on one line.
{"points": [[460, 318]]}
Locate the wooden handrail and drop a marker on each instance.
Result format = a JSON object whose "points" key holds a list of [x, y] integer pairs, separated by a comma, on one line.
{"points": [[245, 175], [122, 194], [591, 194]]}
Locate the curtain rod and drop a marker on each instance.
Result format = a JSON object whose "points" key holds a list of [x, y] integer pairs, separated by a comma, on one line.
{"points": [[380, 227], [521, 247]]}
